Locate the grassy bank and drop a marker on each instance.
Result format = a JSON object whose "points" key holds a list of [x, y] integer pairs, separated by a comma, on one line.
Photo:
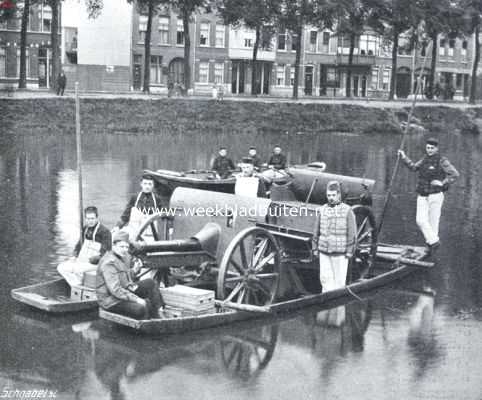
{"points": [[191, 116]]}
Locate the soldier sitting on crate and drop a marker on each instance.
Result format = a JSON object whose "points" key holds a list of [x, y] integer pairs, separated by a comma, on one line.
{"points": [[90, 248], [248, 183], [336, 235], [118, 289]]}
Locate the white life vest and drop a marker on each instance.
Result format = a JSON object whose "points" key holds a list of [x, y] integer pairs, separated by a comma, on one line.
{"points": [[246, 186], [90, 248]]}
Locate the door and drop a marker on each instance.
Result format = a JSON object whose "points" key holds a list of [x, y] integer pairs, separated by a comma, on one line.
{"points": [[266, 77], [309, 80], [356, 80], [364, 86], [43, 67], [137, 78], [176, 70], [237, 79], [403, 85]]}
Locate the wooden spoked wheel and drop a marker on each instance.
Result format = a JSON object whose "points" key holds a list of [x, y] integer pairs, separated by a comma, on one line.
{"points": [[244, 355], [250, 269], [366, 242], [152, 227]]}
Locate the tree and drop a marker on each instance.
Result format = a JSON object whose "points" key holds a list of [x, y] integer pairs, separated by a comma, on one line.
{"points": [[185, 10], [257, 15], [391, 18], [293, 16], [22, 82], [8, 9], [438, 17], [351, 17], [150, 6], [472, 21], [54, 40]]}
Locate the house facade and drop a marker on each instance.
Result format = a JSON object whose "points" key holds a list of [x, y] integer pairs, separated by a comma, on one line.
{"points": [[39, 48], [106, 53]]}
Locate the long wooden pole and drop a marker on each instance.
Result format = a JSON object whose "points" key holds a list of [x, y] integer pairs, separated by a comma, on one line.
{"points": [[79, 157], [402, 143]]}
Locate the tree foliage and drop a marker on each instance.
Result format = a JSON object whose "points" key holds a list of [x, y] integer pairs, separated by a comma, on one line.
{"points": [[257, 15]]}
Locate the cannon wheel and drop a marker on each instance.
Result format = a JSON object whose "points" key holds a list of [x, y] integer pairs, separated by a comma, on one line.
{"points": [[249, 272], [246, 354], [366, 243], [153, 222]]}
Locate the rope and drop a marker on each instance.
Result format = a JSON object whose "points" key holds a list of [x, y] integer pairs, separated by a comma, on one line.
{"points": [[353, 293], [402, 144]]}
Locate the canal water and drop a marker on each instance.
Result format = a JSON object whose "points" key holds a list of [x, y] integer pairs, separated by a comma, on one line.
{"points": [[420, 339]]}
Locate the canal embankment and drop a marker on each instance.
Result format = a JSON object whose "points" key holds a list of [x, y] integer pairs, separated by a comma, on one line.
{"points": [[55, 115]]}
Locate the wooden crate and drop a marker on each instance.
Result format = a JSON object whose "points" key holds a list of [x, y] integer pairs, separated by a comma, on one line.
{"points": [[188, 298], [82, 293], [89, 279]]}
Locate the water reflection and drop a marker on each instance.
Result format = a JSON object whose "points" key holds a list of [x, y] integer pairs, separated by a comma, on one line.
{"points": [[399, 341]]}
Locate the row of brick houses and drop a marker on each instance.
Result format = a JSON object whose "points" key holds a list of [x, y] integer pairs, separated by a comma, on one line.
{"points": [[39, 54], [107, 54]]}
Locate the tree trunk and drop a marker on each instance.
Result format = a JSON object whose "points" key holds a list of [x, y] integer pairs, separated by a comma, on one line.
{"points": [[433, 66], [22, 82], [54, 39], [473, 83], [147, 48], [393, 79], [350, 63], [296, 82], [254, 88], [187, 51]]}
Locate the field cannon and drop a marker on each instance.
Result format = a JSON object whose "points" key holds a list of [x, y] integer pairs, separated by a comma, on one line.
{"points": [[251, 250]]}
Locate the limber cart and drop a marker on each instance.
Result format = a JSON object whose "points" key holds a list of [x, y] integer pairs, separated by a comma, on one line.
{"points": [[258, 254]]}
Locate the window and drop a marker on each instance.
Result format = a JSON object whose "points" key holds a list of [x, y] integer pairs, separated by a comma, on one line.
{"points": [[45, 17], [282, 41], [332, 78], [386, 79], [27, 63], [292, 75], [164, 30], [142, 28], [220, 35], [204, 34], [463, 51], [312, 43], [248, 42], [374, 82], [424, 49], [3, 61], [204, 72], [369, 45], [324, 44], [280, 75], [459, 78], [155, 73], [180, 32], [451, 47], [442, 47], [219, 73], [294, 42]]}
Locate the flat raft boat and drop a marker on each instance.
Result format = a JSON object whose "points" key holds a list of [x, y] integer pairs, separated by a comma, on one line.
{"points": [[52, 296], [231, 312]]}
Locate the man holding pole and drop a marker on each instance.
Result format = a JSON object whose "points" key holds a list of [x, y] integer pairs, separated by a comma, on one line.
{"points": [[435, 174], [336, 235]]}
